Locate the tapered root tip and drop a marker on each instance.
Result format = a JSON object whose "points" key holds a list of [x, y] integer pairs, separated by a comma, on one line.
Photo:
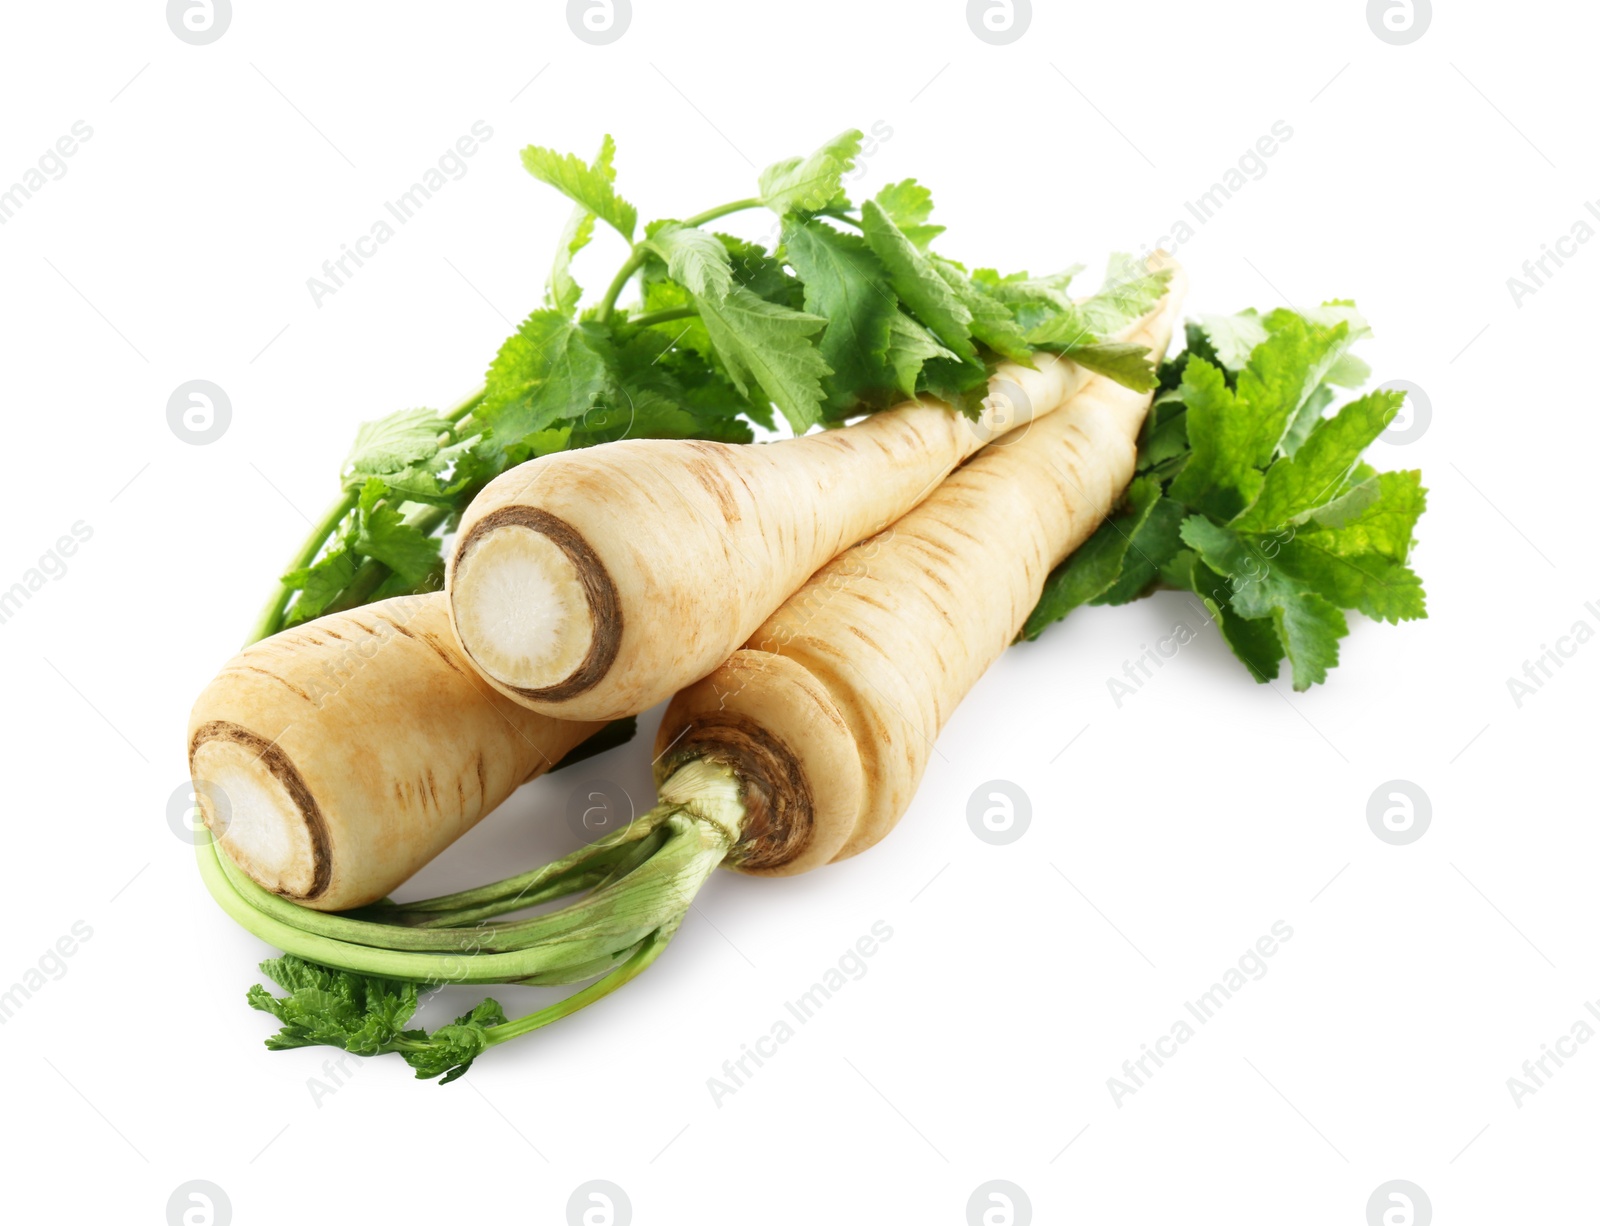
{"points": [[260, 812], [533, 606]]}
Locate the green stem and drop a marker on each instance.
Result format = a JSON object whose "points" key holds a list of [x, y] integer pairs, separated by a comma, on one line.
{"points": [[618, 283], [662, 317], [722, 210], [640, 254]]}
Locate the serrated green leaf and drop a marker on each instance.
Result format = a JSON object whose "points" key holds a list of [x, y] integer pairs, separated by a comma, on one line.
{"points": [[846, 285], [1385, 526], [562, 292], [1123, 363], [696, 260], [917, 283], [550, 370], [393, 443], [589, 186], [813, 182], [1296, 486], [911, 346], [992, 322], [1309, 625], [770, 345], [1234, 337], [909, 205], [1130, 292]]}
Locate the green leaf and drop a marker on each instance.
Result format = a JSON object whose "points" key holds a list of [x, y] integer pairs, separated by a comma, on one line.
{"points": [[1153, 542], [562, 292], [1033, 300], [1234, 337], [1129, 365], [321, 583], [1221, 476], [1095, 565], [992, 322], [396, 442], [589, 186], [696, 260], [451, 1049], [911, 346], [761, 274], [762, 342], [1254, 642], [403, 548], [1315, 474], [549, 371], [813, 182], [1383, 589], [1130, 292], [1385, 526], [327, 1007], [846, 285], [918, 284], [1309, 625], [909, 205], [1306, 418]]}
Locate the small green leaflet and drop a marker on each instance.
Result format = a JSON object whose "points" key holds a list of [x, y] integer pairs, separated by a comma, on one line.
{"points": [[1234, 337], [1299, 484], [551, 370], [383, 533], [589, 186], [992, 322], [562, 292], [911, 347], [918, 284], [909, 205], [1129, 293], [366, 1016], [771, 345], [695, 259], [810, 183]]}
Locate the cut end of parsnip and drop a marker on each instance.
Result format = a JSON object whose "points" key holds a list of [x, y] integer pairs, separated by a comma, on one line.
{"points": [[524, 601], [259, 812]]}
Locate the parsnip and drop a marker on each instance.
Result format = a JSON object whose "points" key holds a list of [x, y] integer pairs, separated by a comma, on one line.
{"points": [[829, 712], [592, 584], [334, 760]]}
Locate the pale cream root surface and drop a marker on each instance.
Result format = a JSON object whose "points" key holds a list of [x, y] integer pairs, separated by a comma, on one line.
{"points": [[521, 609], [353, 749]]}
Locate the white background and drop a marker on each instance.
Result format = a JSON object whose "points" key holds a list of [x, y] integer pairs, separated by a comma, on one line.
{"points": [[1174, 831]]}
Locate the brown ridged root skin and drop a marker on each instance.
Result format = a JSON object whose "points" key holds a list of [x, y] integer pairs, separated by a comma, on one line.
{"points": [[353, 749], [699, 542], [894, 632]]}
